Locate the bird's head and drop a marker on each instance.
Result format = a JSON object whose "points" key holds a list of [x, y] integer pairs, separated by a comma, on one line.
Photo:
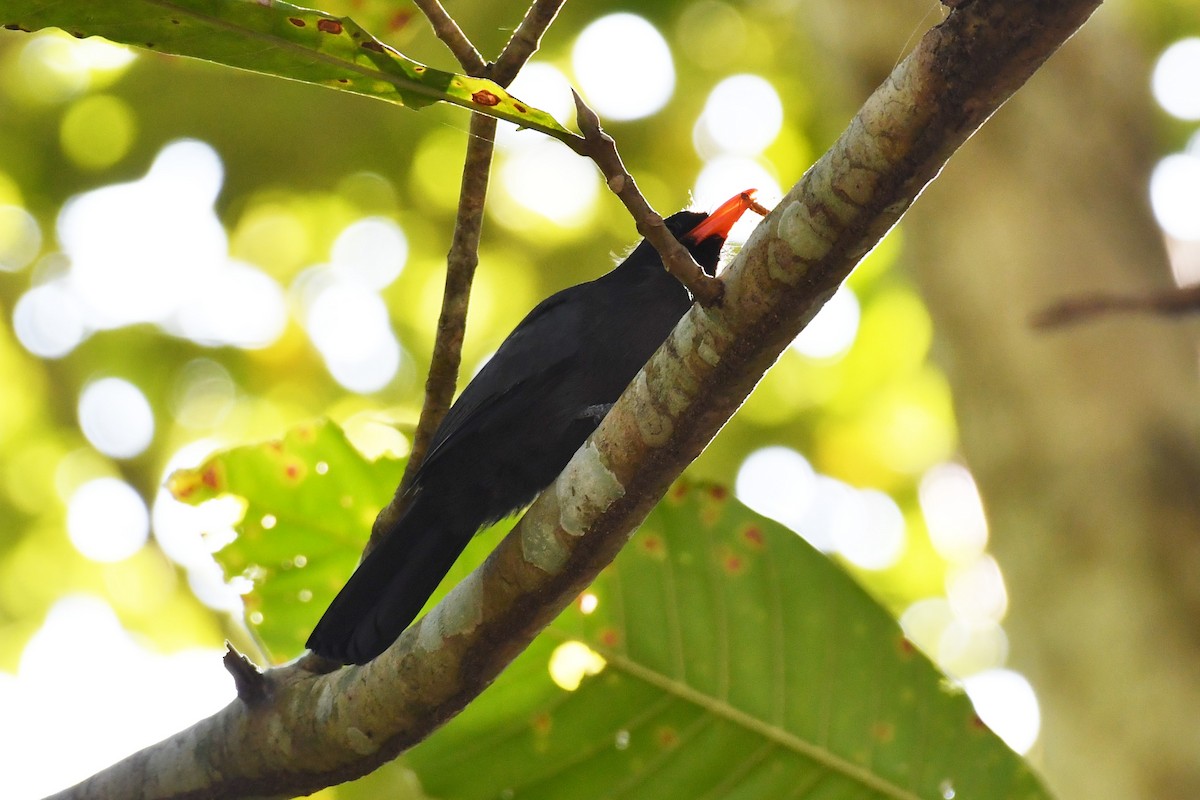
{"points": [[704, 234]]}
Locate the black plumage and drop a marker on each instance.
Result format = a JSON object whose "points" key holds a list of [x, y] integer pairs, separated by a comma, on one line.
{"points": [[514, 427]]}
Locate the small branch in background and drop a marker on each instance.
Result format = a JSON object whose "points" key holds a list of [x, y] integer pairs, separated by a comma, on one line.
{"points": [[525, 40], [602, 150], [463, 257], [446, 29], [1084, 307]]}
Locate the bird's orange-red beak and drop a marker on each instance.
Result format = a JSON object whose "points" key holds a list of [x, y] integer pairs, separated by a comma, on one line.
{"points": [[719, 222]]}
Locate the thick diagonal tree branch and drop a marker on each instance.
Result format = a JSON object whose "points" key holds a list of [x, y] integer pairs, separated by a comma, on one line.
{"points": [[324, 729]]}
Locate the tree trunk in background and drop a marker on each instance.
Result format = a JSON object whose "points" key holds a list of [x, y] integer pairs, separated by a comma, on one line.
{"points": [[1085, 442]]}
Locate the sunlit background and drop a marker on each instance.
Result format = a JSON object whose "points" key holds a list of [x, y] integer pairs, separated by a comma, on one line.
{"points": [[190, 260]]}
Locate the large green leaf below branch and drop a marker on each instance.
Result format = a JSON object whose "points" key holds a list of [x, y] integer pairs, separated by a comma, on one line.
{"points": [[737, 662], [280, 39]]}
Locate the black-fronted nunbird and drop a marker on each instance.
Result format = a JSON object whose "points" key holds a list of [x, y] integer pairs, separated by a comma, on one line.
{"points": [[515, 426]]}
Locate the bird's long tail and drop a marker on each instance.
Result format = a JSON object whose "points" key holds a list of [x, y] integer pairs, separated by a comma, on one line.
{"points": [[390, 586]]}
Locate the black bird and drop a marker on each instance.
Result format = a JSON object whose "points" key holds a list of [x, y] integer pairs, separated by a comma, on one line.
{"points": [[515, 427]]}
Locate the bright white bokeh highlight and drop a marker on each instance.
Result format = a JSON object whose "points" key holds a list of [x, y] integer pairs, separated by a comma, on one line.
{"points": [[624, 67], [372, 251], [342, 310], [48, 320], [1176, 79], [742, 116], [152, 251], [54, 66], [953, 512], [348, 323], [237, 304], [831, 332], [1175, 195], [1006, 702], [779, 483], [136, 248], [116, 417], [107, 520], [62, 725], [551, 181], [976, 591], [866, 527], [543, 86], [20, 238]]}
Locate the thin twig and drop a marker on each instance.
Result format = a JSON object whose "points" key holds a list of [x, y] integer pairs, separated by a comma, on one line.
{"points": [[452, 323], [463, 257], [1077, 309], [602, 150], [525, 40], [446, 29]]}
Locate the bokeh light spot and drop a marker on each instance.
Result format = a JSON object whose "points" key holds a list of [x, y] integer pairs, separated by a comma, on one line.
{"points": [[976, 591], [1175, 195], [571, 662], [953, 512], [866, 527], [742, 116], [203, 394], [831, 332], [20, 238], [349, 325], [48, 320], [131, 699], [1006, 702], [1176, 79], [235, 304], [550, 181], [107, 520], [138, 249], [97, 131], [624, 67], [372, 251], [543, 86], [116, 417], [779, 483]]}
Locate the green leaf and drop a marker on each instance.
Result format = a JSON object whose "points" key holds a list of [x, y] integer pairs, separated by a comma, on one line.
{"points": [[740, 663], [310, 500], [276, 38]]}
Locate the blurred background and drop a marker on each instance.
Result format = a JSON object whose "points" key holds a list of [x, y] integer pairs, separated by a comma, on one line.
{"points": [[193, 258]]}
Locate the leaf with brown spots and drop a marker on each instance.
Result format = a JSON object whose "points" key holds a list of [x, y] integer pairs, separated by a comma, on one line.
{"points": [[740, 662], [279, 39], [296, 540]]}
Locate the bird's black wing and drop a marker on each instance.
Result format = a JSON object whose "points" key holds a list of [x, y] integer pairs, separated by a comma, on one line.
{"points": [[537, 351]]}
